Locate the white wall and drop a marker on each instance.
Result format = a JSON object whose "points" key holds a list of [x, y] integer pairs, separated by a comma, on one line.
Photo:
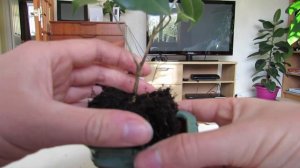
{"points": [[246, 25]]}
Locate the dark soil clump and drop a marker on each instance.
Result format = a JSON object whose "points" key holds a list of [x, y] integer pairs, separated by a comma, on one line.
{"points": [[158, 107]]}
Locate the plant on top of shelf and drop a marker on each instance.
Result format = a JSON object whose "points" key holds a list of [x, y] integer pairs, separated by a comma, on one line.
{"points": [[294, 32], [273, 50]]}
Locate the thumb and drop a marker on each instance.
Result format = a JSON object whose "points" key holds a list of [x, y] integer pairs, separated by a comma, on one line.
{"points": [[195, 150], [68, 124]]}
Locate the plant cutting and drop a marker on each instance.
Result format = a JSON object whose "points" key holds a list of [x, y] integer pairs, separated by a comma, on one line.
{"points": [[157, 107], [273, 50]]}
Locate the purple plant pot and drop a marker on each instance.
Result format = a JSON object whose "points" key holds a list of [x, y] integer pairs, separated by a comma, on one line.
{"points": [[263, 93]]}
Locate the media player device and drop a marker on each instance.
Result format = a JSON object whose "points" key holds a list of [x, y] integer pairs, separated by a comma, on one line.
{"points": [[202, 95], [205, 76]]}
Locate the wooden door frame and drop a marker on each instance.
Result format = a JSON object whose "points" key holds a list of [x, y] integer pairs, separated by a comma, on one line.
{"points": [[45, 13]]}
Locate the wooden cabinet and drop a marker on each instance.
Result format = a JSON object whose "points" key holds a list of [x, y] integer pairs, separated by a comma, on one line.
{"points": [[292, 79], [108, 31], [177, 76]]}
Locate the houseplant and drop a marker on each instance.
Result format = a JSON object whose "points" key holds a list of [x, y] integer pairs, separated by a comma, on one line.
{"points": [[272, 52], [157, 107]]}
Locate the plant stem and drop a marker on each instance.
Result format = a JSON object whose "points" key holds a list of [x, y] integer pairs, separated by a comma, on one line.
{"points": [[270, 54], [139, 66]]}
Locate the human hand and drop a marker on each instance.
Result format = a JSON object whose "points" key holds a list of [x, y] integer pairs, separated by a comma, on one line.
{"points": [[39, 81], [253, 133]]}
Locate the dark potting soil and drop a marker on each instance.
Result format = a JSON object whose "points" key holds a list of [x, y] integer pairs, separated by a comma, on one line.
{"points": [[158, 108]]}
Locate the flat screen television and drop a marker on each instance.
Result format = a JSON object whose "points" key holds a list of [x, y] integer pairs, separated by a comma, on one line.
{"points": [[212, 35], [65, 12]]}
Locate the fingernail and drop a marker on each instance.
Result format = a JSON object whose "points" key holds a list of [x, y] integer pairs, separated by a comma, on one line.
{"points": [[137, 132], [148, 159]]}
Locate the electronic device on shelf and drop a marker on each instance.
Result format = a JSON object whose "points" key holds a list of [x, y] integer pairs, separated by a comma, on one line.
{"points": [[197, 77], [202, 95], [212, 35]]}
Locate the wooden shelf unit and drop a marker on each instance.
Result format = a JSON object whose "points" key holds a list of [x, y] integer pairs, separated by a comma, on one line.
{"points": [[171, 74], [291, 80]]}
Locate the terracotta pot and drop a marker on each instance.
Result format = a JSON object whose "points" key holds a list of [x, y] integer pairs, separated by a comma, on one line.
{"points": [[263, 93], [124, 157]]}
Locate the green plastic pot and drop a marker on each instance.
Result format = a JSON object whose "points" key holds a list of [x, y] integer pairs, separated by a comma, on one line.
{"points": [[124, 157]]}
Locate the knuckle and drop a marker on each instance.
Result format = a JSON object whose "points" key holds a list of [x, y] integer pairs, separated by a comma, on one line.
{"points": [[94, 130]]}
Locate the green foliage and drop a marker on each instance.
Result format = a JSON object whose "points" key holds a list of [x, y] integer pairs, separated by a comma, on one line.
{"points": [[294, 32], [272, 52]]}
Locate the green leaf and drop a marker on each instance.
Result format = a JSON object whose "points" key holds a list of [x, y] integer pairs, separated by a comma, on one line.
{"points": [[262, 36], [267, 24], [280, 21], [278, 57], [257, 77], [279, 32], [277, 15], [287, 64], [271, 86], [260, 64], [294, 7], [155, 7], [281, 67], [273, 72], [190, 10], [254, 54], [264, 48], [265, 41], [294, 34], [283, 46]]}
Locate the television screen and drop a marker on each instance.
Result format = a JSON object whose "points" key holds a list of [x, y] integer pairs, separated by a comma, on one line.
{"points": [[65, 12], [211, 35]]}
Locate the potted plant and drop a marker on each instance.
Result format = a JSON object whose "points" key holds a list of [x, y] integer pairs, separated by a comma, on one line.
{"points": [[273, 50], [157, 107]]}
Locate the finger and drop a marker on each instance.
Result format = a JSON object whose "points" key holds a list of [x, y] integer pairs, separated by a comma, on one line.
{"points": [[85, 52], [220, 111], [75, 94], [214, 148], [108, 77], [68, 124]]}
